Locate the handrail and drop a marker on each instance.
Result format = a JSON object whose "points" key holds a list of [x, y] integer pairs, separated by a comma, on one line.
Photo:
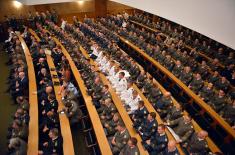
{"points": [[33, 101]]}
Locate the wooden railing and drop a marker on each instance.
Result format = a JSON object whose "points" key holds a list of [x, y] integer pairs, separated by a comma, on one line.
{"points": [[33, 101]]}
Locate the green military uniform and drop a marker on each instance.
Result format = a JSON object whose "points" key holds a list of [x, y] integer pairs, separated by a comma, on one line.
{"points": [[154, 95], [110, 126], [197, 146], [121, 139], [177, 70], [182, 129], [196, 84], [217, 102], [186, 77], [108, 112], [127, 150]]}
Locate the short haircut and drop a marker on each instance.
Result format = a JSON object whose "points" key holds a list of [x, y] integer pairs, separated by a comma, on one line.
{"points": [[141, 102], [122, 73], [55, 131], [133, 140], [162, 126], [121, 124], [153, 114], [51, 96]]}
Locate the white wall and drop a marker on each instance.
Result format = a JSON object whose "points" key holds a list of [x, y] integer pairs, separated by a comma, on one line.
{"points": [[212, 18]]}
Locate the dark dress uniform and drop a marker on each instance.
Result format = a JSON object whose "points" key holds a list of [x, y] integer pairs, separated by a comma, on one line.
{"points": [[158, 143], [139, 116], [166, 152], [147, 129], [222, 85], [55, 146], [162, 105]]}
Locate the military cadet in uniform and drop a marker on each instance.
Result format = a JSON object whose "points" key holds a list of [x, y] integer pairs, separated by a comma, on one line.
{"points": [[154, 95], [203, 69], [222, 84], [197, 144], [218, 101], [171, 148], [110, 126], [163, 104], [182, 127], [131, 148], [108, 111], [228, 113], [148, 127], [168, 63], [140, 114], [196, 84], [72, 111], [177, 69], [120, 139], [214, 77], [17, 147], [49, 122], [52, 105], [140, 79], [128, 92], [23, 103], [105, 93], [186, 76], [54, 145], [174, 112], [206, 92], [157, 143]]}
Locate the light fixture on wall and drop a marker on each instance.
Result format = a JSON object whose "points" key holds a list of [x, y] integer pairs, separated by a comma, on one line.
{"points": [[17, 4], [80, 2]]}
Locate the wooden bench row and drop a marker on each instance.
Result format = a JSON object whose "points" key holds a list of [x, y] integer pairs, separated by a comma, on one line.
{"points": [[33, 101]]}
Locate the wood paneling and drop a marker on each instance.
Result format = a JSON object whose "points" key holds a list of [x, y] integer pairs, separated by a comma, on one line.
{"points": [[100, 8], [114, 8], [91, 8]]}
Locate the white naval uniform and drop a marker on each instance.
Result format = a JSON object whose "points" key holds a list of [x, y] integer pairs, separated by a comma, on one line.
{"points": [[120, 85], [133, 103]]}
